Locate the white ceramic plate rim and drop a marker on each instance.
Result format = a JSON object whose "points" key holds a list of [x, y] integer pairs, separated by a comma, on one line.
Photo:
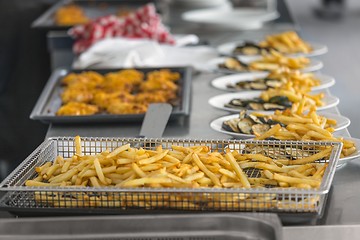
{"points": [[216, 124], [223, 81], [314, 65], [219, 100], [353, 156], [227, 49], [226, 17]]}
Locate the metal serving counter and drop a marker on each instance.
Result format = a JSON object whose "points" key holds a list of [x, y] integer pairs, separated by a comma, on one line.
{"points": [[342, 208]]}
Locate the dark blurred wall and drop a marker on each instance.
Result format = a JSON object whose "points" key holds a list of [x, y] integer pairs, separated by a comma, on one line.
{"points": [[24, 69]]}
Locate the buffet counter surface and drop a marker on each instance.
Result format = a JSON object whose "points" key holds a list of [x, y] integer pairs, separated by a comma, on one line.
{"points": [[341, 219]]}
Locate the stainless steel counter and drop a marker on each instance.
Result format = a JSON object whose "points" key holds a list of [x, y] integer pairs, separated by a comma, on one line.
{"points": [[341, 219], [329, 232]]}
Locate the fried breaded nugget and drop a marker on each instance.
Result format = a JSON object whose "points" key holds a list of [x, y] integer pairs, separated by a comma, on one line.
{"points": [[89, 79], [125, 80], [70, 15], [119, 107], [77, 95], [150, 97], [164, 75], [158, 84], [103, 99], [77, 109], [155, 97]]}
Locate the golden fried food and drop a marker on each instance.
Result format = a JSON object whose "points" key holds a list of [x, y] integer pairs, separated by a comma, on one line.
{"points": [[286, 42], [151, 97], [70, 15], [129, 75], [300, 81], [305, 129], [160, 80], [275, 60], [122, 92], [77, 109], [269, 61], [84, 81], [295, 79], [103, 99], [179, 166], [77, 95], [158, 84], [125, 80], [117, 106], [163, 74]]}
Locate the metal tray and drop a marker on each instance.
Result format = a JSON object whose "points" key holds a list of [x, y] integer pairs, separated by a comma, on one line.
{"points": [[93, 9], [49, 100], [156, 227], [292, 203]]}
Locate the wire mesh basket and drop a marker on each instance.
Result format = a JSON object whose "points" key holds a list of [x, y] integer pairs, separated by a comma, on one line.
{"points": [[265, 199]]}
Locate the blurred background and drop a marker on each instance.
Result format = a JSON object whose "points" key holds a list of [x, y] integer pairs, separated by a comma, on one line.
{"points": [[25, 64], [342, 36]]}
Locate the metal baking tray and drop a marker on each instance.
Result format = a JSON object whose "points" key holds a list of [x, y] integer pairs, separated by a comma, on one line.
{"points": [[292, 203], [155, 227], [92, 8], [50, 101]]}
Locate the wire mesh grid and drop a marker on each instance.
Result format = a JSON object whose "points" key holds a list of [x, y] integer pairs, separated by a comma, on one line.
{"points": [[205, 199]]}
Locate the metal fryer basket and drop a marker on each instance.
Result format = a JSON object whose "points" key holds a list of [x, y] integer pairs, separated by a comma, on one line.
{"points": [[279, 200]]}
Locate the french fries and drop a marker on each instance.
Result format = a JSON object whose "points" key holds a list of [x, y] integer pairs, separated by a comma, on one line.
{"points": [[275, 60], [286, 42], [305, 127], [301, 99], [178, 167], [270, 61]]}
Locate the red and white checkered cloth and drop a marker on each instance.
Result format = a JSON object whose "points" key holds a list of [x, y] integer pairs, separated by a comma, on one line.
{"points": [[143, 23]]}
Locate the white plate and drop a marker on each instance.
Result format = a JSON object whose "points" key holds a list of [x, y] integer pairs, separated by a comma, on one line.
{"points": [[228, 48], [342, 122], [220, 100], [353, 156], [223, 81], [237, 18], [212, 65]]}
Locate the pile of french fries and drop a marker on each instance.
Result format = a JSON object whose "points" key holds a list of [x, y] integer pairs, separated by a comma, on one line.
{"points": [[178, 167], [274, 60], [297, 80], [301, 99], [304, 127], [286, 42]]}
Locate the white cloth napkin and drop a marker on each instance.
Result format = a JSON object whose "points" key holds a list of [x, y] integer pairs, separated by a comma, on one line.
{"points": [[121, 52]]}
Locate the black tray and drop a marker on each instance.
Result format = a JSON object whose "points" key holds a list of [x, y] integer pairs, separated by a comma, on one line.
{"points": [[49, 100], [92, 8]]}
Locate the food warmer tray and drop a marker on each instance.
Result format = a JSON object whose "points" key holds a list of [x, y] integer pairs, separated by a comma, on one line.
{"points": [[92, 9], [49, 100], [292, 205]]}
